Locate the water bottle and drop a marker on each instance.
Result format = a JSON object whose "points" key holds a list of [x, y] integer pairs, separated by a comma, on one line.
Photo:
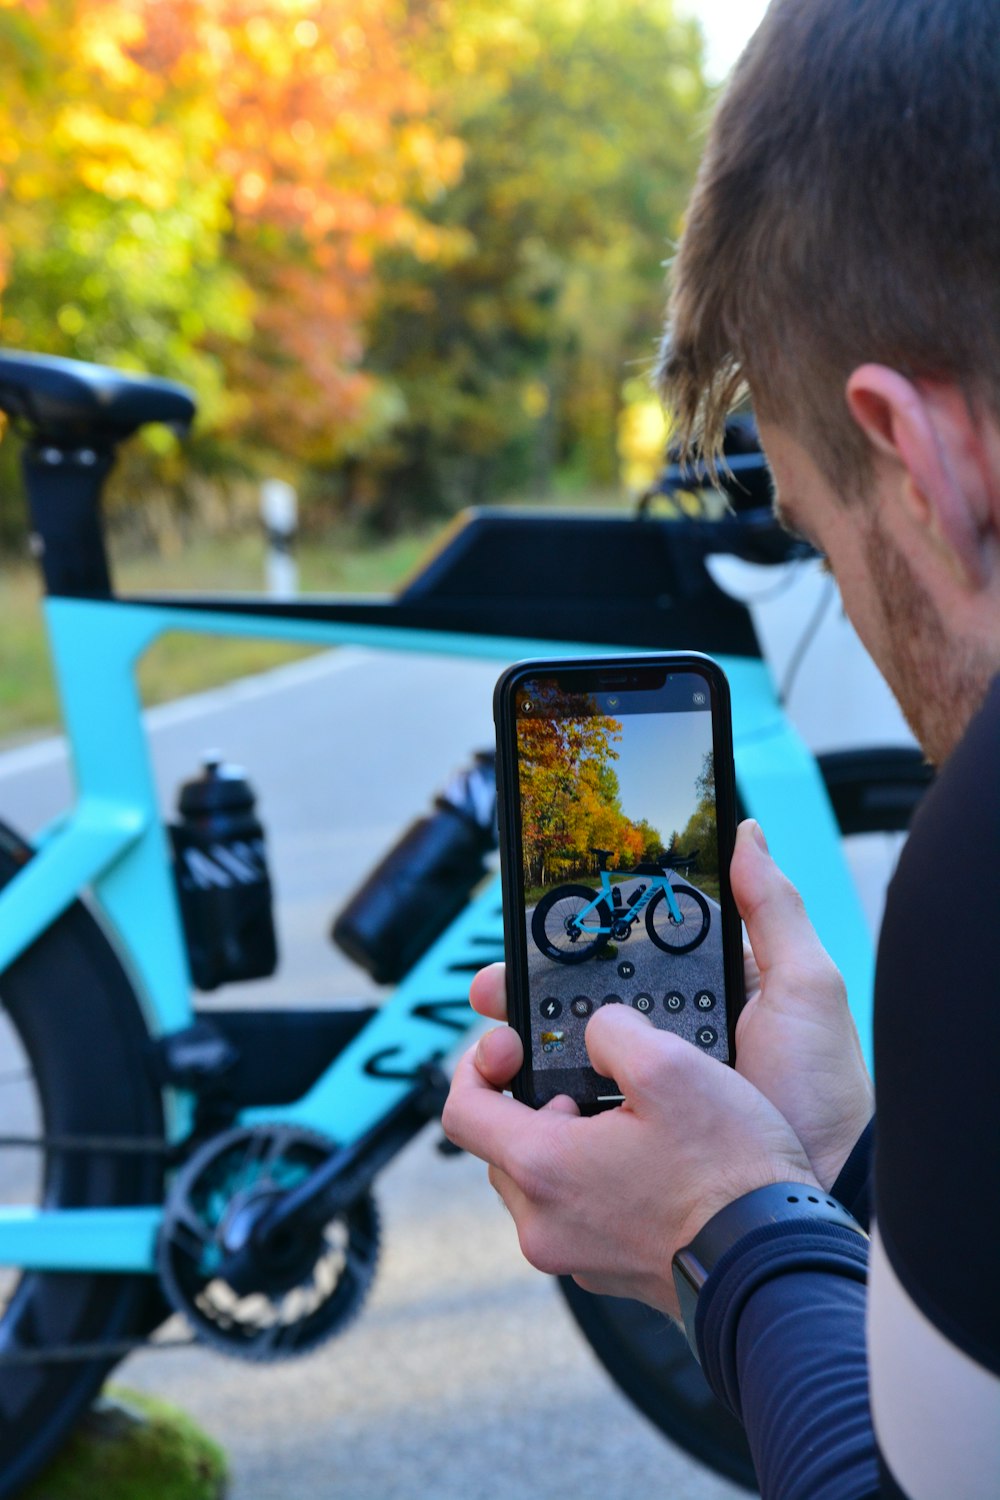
{"points": [[220, 865], [423, 882]]}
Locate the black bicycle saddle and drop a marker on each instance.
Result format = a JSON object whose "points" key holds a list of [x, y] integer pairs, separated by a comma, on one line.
{"points": [[64, 400]]}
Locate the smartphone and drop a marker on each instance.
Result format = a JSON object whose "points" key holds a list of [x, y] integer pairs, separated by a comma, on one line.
{"points": [[616, 804]]}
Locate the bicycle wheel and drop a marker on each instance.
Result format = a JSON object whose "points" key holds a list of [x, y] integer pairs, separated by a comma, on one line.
{"points": [[72, 1063], [692, 929], [873, 792], [553, 930], [647, 1357]]}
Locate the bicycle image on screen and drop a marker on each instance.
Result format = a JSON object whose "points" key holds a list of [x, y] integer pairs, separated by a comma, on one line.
{"points": [[572, 922]]}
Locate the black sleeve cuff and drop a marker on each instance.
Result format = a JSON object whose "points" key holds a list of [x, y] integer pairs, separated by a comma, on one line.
{"points": [[853, 1187], [761, 1256]]}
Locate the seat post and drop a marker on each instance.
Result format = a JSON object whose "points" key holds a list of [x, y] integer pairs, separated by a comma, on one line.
{"points": [[64, 483]]}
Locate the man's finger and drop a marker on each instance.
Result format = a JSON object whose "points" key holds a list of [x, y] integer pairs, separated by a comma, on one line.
{"points": [[620, 1043], [499, 1054], [489, 1124], [488, 992], [777, 925], [562, 1104]]}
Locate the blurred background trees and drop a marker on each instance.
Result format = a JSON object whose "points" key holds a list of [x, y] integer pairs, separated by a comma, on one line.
{"points": [[409, 255]]}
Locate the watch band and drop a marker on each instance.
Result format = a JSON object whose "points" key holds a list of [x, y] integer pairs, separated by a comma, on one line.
{"points": [[777, 1203]]}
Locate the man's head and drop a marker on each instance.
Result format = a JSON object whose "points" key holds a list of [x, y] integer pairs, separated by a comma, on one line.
{"points": [[841, 258]]}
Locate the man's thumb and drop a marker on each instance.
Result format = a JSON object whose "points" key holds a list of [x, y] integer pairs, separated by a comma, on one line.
{"points": [[776, 921]]}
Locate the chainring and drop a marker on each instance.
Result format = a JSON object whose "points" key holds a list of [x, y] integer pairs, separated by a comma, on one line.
{"points": [[325, 1275]]}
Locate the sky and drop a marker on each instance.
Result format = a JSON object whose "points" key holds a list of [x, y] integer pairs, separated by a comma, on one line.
{"points": [[728, 25], [660, 757]]}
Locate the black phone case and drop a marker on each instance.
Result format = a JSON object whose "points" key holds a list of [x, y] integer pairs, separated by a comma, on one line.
{"points": [[515, 940]]}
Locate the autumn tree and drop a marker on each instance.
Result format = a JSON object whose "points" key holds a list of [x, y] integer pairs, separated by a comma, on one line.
{"points": [[578, 119], [562, 744], [198, 188], [416, 246], [570, 794]]}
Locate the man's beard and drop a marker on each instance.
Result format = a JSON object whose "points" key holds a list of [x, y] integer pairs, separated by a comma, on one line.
{"points": [[938, 681]]}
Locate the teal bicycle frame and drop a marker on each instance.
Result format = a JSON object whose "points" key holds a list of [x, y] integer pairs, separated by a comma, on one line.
{"points": [[112, 843], [656, 883]]}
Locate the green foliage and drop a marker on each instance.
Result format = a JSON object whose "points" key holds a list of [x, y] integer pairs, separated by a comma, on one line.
{"points": [[701, 833], [407, 256], [578, 119]]}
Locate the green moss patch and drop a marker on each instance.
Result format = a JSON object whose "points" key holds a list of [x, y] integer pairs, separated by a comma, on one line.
{"points": [[129, 1446]]}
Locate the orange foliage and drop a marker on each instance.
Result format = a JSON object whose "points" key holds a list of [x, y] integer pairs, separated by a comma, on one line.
{"points": [[294, 132]]}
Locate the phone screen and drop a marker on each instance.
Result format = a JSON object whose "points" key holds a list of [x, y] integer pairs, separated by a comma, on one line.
{"points": [[621, 864]]}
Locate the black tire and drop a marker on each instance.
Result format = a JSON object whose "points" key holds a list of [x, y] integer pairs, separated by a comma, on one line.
{"points": [[647, 1357], [74, 1037], [692, 930], [548, 924], [875, 791], [872, 792]]}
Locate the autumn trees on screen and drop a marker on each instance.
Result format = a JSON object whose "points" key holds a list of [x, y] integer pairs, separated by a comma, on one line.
{"points": [[570, 797]]}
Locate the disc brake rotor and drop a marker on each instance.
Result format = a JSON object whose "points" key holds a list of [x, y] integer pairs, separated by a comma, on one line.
{"points": [[296, 1292]]}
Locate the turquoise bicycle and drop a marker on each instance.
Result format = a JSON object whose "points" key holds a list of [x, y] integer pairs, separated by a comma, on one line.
{"points": [[157, 1156], [573, 923]]}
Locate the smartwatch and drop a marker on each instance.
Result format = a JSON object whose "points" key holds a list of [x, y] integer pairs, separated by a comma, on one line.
{"points": [[776, 1204]]}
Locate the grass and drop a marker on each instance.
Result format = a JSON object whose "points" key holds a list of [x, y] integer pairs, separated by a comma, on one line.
{"points": [[132, 1446], [179, 663]]}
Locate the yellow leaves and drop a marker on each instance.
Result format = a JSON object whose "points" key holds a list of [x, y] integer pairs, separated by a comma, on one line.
{"points": [[464, 54], [71, 319], [354, 42], [306, 33], [437, 164], [118, 159], [642, 435], [260, 33], [535, 398], [104, 39], [250, 190]]}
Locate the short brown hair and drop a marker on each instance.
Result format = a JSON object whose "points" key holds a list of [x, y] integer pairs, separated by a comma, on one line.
{"points": [[847, 209]]}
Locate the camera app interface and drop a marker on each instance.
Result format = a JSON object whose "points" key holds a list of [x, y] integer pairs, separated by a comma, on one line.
{"points": [[620, 863]]}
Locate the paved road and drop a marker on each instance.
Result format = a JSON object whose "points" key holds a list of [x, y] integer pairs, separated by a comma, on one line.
{"points": [[464, 1377]]}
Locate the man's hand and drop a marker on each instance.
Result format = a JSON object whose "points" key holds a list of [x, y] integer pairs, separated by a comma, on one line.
{"points": [[609, 1198], [796, 1040]]}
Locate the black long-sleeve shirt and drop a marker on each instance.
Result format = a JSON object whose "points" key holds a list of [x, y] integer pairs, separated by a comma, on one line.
{"points": [[914, 1411]]}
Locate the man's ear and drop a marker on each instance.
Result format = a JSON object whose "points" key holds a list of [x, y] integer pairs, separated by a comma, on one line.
{"points": [[930, 434]]}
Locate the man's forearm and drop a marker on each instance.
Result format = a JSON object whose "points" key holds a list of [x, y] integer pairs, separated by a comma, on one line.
{"points": [[781, 1331]]}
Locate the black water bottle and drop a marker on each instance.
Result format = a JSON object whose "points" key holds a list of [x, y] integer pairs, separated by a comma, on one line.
{"points": [[220, 864], [423, 882]]}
